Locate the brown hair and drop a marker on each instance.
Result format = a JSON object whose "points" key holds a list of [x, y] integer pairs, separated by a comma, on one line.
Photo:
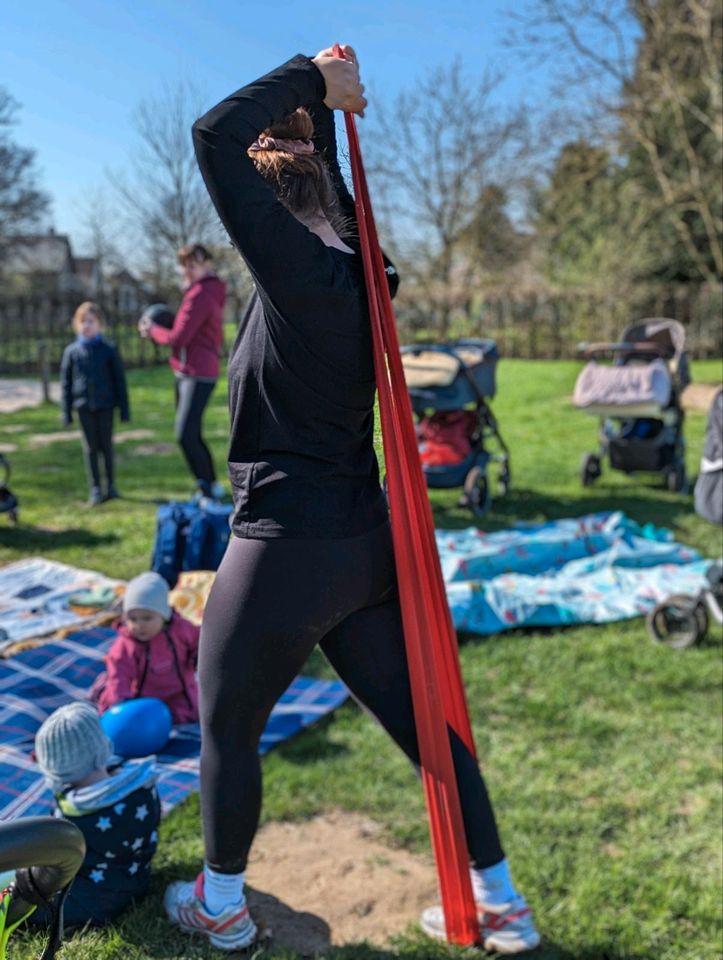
{"points": [[193, 253], [301, 180], [87, 307]]}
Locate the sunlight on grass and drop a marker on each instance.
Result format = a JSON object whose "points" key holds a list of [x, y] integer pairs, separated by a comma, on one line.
{"points": [[602, 751]]}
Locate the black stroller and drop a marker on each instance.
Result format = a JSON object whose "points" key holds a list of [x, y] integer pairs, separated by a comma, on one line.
{"points": [[8, 501], [449, 385], [682, 620], [637, 399]]}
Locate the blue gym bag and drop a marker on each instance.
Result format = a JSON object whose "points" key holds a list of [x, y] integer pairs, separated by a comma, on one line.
{"points": [[190, 536]]}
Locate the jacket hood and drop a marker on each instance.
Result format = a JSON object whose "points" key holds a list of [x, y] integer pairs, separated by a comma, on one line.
{"points": [[215, 287]]}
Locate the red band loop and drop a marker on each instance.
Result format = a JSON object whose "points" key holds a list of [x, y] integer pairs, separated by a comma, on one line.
{"points": [[430, 638]]}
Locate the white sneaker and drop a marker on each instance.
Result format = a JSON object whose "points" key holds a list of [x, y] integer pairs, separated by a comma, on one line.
{"points": [[230, 929], [509, 930]]}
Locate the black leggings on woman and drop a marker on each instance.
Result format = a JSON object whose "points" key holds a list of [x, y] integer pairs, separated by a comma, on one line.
{"points": [[191, 398], [271, 602]]}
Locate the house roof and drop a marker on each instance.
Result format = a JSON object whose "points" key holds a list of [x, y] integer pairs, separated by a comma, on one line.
{"points": [[49, 253]]}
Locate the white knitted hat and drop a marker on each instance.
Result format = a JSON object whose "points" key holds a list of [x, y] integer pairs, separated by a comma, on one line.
{"points": [[148, 591], [70, 744]]}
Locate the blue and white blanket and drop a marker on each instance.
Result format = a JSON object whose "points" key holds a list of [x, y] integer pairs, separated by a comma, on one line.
{"points": [[35, 595], [35, 682], [592, 569]]}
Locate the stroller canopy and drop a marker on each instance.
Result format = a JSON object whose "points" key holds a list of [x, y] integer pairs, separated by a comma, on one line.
{"points": [[669, 335], [450, 376]]}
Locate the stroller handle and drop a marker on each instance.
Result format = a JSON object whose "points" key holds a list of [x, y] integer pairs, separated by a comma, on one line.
{"points": [[589, 350]]}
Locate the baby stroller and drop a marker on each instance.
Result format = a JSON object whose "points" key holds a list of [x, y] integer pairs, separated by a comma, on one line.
{"points": [[8, 501], [682, 620], [637, 398], [449, 385]]}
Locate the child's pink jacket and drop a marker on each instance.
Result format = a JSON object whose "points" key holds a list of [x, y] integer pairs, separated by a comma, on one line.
{"points": [[163, 667]]}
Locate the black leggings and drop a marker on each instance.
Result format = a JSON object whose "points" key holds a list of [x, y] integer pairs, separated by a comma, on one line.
{"points": [[97, 428], [191, 399], [271, 602]]}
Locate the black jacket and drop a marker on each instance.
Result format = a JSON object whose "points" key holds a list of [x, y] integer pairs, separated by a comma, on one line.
{"points": [[92, 377], [301, 373]]}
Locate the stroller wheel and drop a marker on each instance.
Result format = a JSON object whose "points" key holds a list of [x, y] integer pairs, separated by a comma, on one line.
{"points": [[679, 621], [477, 491], [590, 469], [13, 516], [675, 479]]}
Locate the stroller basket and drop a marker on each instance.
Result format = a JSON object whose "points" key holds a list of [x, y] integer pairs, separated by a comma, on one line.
{"points": [[454, 376]]}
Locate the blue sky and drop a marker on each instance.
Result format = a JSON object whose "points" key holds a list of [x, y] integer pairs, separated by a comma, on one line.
{"points": [[80, 67]]}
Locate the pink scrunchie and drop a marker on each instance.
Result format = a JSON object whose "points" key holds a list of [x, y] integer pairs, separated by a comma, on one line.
{"points": [[288, 146]]}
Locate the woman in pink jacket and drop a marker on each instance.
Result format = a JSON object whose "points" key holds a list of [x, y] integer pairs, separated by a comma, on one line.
{"points": [[196, 339], [155, 654]]}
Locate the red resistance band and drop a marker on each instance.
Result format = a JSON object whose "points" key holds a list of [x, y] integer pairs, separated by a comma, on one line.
{"points": [[430, 638]]}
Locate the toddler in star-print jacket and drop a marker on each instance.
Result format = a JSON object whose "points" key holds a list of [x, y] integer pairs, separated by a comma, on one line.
{"points": [[116, 808]]}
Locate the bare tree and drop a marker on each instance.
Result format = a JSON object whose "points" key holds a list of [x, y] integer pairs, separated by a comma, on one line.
{"points": [[659, 61], [435, 153], [163, 196], [22, 203], [101, 236]]}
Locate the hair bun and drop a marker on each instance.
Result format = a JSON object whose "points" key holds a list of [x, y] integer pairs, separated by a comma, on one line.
{"points": [[297, 126]]}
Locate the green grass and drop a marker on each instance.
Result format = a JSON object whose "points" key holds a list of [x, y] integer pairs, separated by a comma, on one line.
{"points": [[602, 752]]}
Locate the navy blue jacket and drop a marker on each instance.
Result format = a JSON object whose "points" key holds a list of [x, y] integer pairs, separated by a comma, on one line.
{"points": [[92, 377]]}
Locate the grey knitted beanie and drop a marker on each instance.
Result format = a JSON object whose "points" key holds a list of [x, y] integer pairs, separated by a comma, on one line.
{"points": [[70, 744], [149, 591]]}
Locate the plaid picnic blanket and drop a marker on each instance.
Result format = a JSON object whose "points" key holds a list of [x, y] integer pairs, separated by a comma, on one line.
{"points": [[35, 682], [35, 597]]}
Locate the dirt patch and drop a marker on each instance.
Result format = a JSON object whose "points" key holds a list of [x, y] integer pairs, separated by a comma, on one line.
{"points": [[122, 436], [333, 881], [20, 394], [699, 396], [59, 436], [153, 449], [8, 447], [65, 436], [13, 428]]}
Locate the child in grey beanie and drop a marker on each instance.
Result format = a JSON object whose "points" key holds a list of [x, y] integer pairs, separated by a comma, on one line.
{"points": [[115, 805]]}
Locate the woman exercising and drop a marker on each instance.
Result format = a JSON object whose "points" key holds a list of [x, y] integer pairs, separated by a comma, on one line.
{"points": [[311, 558]]}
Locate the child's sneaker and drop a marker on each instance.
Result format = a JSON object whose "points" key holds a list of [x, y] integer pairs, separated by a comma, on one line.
{"points": [[230, 929], [95, 498], [509, 931], [112, 493]]}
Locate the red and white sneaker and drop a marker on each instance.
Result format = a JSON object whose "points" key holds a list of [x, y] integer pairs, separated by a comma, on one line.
{"points": [[230, 929], [511, 930]]}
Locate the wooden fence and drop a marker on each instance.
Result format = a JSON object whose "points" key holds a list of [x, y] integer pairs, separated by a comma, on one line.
{"points": [[35, 330]]}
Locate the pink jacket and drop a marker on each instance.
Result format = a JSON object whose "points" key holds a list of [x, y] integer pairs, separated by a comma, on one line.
{"points": [[197, 332], [163, 667]]}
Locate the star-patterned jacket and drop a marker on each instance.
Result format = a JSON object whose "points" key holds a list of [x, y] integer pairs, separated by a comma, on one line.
{"points": [[119, 818]]}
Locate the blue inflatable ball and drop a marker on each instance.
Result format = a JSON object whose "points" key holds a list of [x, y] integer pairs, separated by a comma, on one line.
{"points": [[139, 727]]}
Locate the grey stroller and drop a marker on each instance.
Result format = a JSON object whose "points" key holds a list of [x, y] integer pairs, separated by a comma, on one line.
{"points": [[637, 398]]}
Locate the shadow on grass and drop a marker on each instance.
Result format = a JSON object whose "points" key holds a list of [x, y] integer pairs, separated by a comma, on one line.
{"points": [[39, 539], [522, 504], [313, 746]]}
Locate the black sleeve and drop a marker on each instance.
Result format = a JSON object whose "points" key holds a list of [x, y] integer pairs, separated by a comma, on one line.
{"points": [[286, 258], [119, 378], [66, 385]]}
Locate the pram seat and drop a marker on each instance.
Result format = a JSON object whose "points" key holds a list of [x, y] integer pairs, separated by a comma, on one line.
{"points": [[449, 385], [633, 390], [640, 391]]}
